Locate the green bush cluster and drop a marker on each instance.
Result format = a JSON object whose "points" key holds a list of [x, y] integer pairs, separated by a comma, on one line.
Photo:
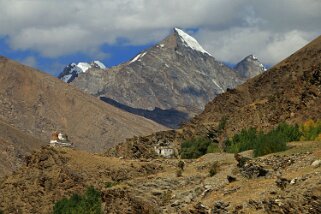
{"points": [[264, 143], [242, 141], [197, 147], [89, 203]]}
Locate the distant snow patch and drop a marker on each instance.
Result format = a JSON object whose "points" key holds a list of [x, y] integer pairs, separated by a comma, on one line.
{"points": [[190, 41], [84, 66], [213, 80], [135, 59], [254, 57], [138, 57], [100, 64], [263, 67], [66, 78]]}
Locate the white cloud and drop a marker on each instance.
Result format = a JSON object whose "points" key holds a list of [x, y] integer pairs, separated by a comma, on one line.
{"points": [[234, 44], [230, 29]]}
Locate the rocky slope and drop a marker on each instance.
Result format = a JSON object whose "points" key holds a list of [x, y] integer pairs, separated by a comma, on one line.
{"points": [[250, 67], [290, 91], [168, 83], [38, 104], [289, 183], [15, 145]]}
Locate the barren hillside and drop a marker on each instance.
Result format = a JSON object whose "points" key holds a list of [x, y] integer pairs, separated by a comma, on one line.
{"points": [[38, 104], [290, 91], [14, 146]]}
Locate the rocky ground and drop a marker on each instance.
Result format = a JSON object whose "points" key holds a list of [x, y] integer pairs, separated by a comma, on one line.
{"points": [[278, 183]]}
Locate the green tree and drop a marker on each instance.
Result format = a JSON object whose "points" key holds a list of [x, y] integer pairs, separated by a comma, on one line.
{"points": [[194, 148], [89, 203]]}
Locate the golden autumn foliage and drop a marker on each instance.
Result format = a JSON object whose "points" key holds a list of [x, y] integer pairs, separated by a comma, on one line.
{"points": [[311, 130]]}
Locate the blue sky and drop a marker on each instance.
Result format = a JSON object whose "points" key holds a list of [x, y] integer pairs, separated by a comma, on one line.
{"points": [[50, 34], [115, 54]]}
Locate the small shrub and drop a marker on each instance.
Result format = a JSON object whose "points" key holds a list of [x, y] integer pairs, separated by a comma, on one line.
{"points": [[318, 138], [311, 130], [214, 168], [222, 124], [166, 197], [90, 202], [213, 148], [110, 184], [179, 173], [181, 165]]}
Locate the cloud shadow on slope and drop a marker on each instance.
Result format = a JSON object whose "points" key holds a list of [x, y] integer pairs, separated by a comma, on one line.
{"points": [[171, 118]]}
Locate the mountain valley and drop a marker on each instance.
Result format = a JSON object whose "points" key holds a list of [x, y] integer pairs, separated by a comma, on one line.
{"points": [[137, 165]]}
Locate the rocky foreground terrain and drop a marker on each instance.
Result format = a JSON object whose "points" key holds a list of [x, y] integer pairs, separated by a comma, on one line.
{"points": [[278, 183]]}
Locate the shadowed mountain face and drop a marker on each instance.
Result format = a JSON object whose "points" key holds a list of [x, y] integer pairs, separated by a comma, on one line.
{"points": [[166, 117], [290, 91], [38, 104], [176, 75]]}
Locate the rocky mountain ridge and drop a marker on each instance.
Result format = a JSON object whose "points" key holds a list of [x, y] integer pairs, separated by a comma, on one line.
{"points": [[168, 83], [288, 92], [72, 70], [250, 67]]}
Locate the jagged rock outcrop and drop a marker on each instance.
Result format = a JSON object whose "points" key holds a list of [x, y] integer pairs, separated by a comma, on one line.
{"points": [[168, 83]]}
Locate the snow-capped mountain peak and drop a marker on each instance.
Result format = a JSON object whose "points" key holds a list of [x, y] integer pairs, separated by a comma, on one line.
{"points": [[84, 66], [72, 70], [190, 41], [254, 58], [250, 66]]}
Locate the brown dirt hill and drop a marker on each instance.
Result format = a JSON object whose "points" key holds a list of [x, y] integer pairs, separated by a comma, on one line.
{"points": [[38, 104], [290, 91], [14, 146], [152, 186]]}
